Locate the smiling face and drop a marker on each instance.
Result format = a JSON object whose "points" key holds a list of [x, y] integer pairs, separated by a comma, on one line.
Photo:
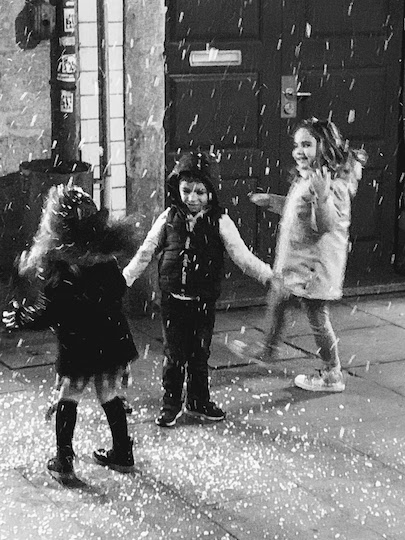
{"points": [[305, 151], [194, 195]]}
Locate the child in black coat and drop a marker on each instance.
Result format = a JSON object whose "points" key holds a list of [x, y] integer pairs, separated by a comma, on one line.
{"points": [[81, 300]]}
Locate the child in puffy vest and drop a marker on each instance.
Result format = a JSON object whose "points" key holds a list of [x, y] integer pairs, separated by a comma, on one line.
{"points": [[191, 236]]}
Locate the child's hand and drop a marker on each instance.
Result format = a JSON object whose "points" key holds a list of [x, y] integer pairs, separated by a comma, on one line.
{"points": [[9, 320], [270, 201], [321, 180], [261, 199]]}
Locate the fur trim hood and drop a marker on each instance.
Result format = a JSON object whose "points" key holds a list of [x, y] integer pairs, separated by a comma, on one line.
{"points": [[115, 239]]}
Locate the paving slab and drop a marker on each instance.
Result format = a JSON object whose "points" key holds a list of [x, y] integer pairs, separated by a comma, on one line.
{"points": [[222, 356], [234, 320], [381, 441], [388, 374], [28, 513], [373, 344], [343, 315], [262, 488], [387, 308], [285, 463], [150, 326], [10, 381]]}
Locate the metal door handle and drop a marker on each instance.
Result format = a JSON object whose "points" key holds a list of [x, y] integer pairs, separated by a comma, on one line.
{"points": [[290, 96], [290, 93]]}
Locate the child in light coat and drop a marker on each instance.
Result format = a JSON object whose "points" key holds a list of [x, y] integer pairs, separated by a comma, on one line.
{"points": [[313, 242], [190, 237]]}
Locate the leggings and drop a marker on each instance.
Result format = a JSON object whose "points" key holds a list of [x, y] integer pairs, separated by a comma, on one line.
{"points": [[318, 314]]}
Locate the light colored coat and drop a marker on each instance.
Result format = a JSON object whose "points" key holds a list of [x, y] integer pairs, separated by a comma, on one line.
{"points": [[313, 239]]}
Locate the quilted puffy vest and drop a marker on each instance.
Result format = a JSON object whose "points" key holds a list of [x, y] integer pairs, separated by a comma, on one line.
{"points": [[191, 262]]}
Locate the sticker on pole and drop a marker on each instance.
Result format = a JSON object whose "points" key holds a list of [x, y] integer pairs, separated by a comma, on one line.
{"points": [[69, 20], [66, 101], [66, 70]]}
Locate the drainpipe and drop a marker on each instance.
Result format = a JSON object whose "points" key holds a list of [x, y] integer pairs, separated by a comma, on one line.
{"points": [[64, 165], [104, 102], [64, 98]]}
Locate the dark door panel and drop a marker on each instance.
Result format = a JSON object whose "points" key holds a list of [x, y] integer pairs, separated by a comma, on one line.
{"points": [[229, 109], [346, 60], [226, 60]]}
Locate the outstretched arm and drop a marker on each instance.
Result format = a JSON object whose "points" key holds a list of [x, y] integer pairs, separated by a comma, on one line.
{"points": [[239, 252], [145, 253], [269, 201]]}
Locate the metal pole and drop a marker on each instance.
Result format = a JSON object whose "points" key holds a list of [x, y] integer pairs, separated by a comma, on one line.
{"points": [[64, 98], [103, 99]]}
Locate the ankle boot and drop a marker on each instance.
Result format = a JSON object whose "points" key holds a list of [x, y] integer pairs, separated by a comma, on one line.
{"points": [[120, 457], [61, 466]]}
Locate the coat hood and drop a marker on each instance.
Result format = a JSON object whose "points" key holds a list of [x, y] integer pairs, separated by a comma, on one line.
{"points": [[116, 239], [196, 165], [351, 172]]}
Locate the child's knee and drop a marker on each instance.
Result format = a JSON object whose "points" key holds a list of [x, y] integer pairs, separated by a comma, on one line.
{"points": [[72, 388]]}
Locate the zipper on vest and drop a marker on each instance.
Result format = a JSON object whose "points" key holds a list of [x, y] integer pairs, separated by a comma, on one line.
{"points": [[186, 261]]}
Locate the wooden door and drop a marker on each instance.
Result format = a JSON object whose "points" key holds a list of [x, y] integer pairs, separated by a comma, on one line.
{"points": [[226, 60], [346, 57], [223, 67]]}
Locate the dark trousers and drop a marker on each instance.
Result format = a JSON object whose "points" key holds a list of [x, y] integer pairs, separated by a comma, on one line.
{"points": [[187, 333], [318, 313]]}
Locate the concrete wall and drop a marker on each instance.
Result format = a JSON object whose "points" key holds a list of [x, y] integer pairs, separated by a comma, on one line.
{"points": [[25, 110], [144, 111]]}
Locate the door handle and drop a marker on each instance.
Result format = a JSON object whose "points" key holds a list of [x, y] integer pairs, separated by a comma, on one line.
{"points": [[290, 93], [290, 96]]}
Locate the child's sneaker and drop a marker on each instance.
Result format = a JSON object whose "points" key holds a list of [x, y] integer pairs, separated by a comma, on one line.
{"points": [[326, 381], [168, 415], [61, 469], [206, 411], [121, 461]]}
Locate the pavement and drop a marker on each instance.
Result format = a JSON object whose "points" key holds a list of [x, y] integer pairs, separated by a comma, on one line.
{"points": [[285, 464]]}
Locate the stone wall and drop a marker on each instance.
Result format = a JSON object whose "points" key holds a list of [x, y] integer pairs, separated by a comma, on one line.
{"points": [[25, 110], [144, 111], [25, 131]]}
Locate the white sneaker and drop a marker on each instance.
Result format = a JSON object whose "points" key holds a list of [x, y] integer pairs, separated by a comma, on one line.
{"points": [[326, 381]]}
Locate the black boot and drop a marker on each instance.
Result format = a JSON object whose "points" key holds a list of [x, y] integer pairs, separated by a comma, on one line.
{"points": [[61, 466], [120, 458]]}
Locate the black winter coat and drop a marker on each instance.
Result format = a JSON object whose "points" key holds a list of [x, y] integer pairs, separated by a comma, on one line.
{"points": [[82, 303]]}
